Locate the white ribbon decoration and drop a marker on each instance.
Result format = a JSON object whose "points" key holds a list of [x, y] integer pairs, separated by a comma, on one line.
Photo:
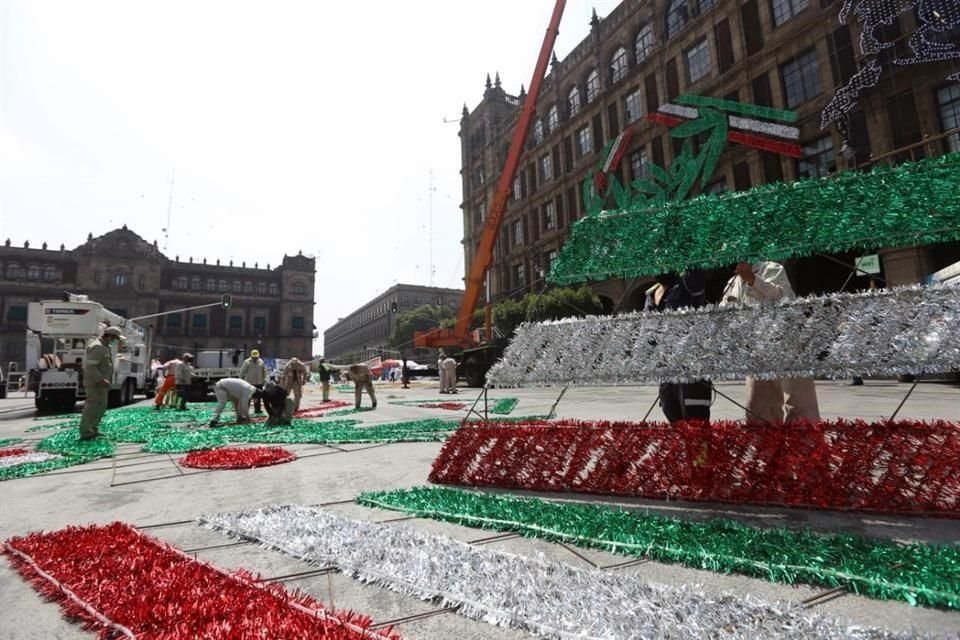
{"points": [[33, 456]]}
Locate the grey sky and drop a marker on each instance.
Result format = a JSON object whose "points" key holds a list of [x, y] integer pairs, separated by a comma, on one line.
{"points": [[293, 126]]}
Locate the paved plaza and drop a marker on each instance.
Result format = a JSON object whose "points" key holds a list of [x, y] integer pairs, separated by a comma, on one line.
{"points": [[152, 491]]}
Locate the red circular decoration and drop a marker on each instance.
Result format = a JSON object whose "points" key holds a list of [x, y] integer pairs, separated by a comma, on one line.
{"points": [[237, 457]]}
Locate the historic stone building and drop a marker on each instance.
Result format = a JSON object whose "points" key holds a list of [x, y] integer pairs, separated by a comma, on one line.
{"points": [[787, 54], [366, 332], [272, 307]]}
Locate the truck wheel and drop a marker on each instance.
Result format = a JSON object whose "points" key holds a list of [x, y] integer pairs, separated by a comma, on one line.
{"points": [[67, 402], [42, 403], [126, 393]]}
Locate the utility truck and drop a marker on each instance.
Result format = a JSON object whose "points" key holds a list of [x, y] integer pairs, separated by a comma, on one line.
{"points": [[211, 366], [68, 325]]}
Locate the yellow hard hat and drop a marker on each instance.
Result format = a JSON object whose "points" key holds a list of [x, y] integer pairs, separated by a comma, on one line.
{"points": [[255, 353]]}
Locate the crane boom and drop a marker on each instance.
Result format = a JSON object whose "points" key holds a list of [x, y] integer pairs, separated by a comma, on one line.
{"points": [[460, 334]]}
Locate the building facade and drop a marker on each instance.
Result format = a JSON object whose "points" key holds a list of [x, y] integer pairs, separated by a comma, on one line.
{"points": [[366, 332], [786, 54], [272, 307]]}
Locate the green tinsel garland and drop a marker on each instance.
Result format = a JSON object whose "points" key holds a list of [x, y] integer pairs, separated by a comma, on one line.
{"points": [[503, 406], [33, 468], [913, 203], [68, 443], [916, 573], [6, 442], [302, 432]]}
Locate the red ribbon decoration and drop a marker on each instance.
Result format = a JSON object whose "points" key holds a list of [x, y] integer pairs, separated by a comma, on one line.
{"points": [[905, 467], [321, 410], [791, 149], [237, 457], [13, 452]]}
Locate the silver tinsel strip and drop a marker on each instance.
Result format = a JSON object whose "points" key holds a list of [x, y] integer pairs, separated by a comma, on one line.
{"points": [[906, 330], [737, 122], [33, 456], [548, 598]]}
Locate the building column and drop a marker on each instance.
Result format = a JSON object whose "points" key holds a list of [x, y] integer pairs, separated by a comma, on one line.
{"points": [[905, 265]]}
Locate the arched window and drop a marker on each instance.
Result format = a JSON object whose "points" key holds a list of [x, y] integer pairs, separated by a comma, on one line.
{"points": [[573, 101], [593, 86], [195, 283], [119, 279], [261, 288], [274, 289], [248, 287], [211, 284], [33, 272], [181, 283], [538, 131], [553, 118], [644, 43], [237, 286], [677, 17], [222, 286], [618, 65], [13, 271], [299, 289], [49, 273]]}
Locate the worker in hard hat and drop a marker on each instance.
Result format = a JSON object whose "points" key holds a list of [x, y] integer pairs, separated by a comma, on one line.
{"points": [[184, 380], [237, 391], [255, 372], [97, 379], [292, 378]]}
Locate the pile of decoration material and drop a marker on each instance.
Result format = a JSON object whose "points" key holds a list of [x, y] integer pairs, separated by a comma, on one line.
{"points": [[238, 457], [916, 573], [894, 467], [123, 583], [548, 598], [21, 462], [500, 406]]}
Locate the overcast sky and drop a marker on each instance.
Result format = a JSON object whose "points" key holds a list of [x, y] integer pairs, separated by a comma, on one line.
{"points": [[309, 126]]}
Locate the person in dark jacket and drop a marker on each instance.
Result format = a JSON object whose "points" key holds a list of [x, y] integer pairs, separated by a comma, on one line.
{"points": [[687, 400], [279, 407]]}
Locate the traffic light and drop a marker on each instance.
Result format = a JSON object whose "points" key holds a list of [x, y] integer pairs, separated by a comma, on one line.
{"points": [[226, 301], [393, 307]]}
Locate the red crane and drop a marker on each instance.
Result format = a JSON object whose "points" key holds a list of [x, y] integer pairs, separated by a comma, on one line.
{"points": [[460, 335]]}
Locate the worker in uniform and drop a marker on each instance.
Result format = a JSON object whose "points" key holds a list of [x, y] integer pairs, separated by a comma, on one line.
{"points": [[97, 379], [293, 377], [323, 372], [686, 400], [237, 391], [255, 372], [184, 380], [784, 399], [449, 376], [362, 381], [169, 369], [279, 407], [441, 371]]}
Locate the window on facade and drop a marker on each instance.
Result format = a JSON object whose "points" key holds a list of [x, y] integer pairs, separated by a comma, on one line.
{"points": [[517, 234], [141, 281], [174, 320], [553, 118], [948, 104], [237, 286], [801, 78], [33, 272], [546, 168], [618, 65], [643, 46], [96, 277], [516, 189], [296, 323], [223, 286], [573, 101], [519, 276], [248, 287], [211, 284], [677, 17], [199, 321], [538, 131], [584, 142], [13, 271], [638, 164], [550, 216], [299, 289], [593, 86], [698, 61], [818, 159], [17, 313], [720, 186], [551, 259], [783, 10], [195, 283], [705, 5], [49, 273], [259, 323], [631, 107], [119, 279], [261, 288], [236, 322], [274, 289]]}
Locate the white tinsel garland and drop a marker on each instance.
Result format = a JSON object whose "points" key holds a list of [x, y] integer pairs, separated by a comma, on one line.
{"points": [[548, 598], [33, 456], [904, 330]]}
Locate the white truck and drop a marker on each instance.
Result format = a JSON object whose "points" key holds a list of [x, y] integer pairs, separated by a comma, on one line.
{"points": [[211, 366], [70, 325]]}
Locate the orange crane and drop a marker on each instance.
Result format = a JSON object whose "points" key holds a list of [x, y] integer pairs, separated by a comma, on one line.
{"points": [[477, 358]]}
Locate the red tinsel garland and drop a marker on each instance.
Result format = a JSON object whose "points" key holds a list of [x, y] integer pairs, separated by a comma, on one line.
{"points": [[115, 579], [320, 410], [895, 467], [237, 457], [13, 452], [449, 406]]}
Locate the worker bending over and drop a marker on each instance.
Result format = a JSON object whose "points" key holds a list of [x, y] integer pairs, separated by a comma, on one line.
{"points": [[279, 407], [362, 380], [239, 393], [294, 375]]}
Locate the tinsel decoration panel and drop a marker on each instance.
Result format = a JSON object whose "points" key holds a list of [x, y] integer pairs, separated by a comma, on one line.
{"points": [[548, 598], [913, 203], [238, 457], [889, 332], [123, 583], [915, 573], [903, 467]]}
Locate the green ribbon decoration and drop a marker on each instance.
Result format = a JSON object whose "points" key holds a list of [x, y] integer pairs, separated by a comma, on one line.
{"points": [[6, 442], [924, 574]]}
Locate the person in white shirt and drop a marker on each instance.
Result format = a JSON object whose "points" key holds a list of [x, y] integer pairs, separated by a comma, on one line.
{"points": [[783, 399], [237, 391]]}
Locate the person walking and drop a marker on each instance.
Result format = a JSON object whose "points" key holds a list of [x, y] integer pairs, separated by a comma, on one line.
{"points": [[97, 380], [323, 372], [293, 377], [783, 399], [405, 374], [236, 391], [184, 380], [169, 369], [255, 372]]}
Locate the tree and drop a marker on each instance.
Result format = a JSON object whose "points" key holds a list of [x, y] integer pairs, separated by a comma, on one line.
{"points": [[550, 305], [422, 318]]}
